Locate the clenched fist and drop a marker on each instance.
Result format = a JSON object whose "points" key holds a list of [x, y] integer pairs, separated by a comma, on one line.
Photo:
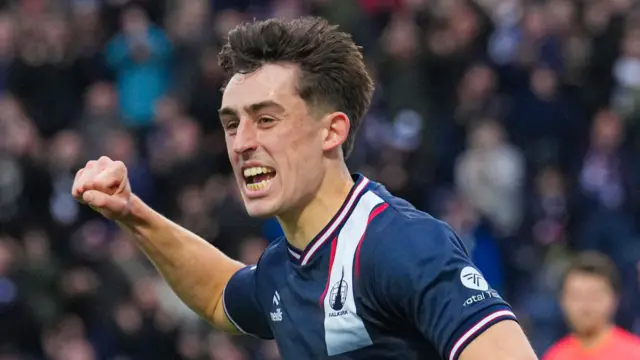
{"points": [[104, 186]]}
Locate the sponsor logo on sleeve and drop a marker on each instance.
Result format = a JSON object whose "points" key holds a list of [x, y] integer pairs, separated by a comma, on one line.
{"points": [[472, 279]]}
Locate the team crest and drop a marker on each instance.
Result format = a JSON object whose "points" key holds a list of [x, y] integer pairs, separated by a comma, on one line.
{"points": [[338, 296]]}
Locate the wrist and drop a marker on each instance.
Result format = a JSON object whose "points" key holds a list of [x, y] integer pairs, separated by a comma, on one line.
{"points": [[137, 213]]}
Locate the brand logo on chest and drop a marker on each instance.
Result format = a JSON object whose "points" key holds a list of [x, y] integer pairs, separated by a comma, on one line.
{"points": [[276, 315]]}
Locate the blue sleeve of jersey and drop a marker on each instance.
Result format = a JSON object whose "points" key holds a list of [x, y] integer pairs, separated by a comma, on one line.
{"points": [[241, 304], [422, 275]]}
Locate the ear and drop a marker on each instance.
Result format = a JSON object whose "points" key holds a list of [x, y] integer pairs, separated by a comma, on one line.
{"points": [[337, 127]]}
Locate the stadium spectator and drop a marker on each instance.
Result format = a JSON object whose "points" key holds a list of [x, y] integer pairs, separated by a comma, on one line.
{"points": [[140, 56], [491, 174], [589, 299]]}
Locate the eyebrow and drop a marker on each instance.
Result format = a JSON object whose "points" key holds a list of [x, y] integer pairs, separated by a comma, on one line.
{"points": [[227, 111]]}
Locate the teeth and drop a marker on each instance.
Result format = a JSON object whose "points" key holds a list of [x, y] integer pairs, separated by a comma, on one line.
{"points": [[253, 171], [258, 186]]}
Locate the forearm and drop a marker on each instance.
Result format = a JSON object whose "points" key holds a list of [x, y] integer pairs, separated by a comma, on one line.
{"points": [[195, 270]]}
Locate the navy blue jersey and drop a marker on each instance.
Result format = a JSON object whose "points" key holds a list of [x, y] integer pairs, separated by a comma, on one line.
{"points": [[381, 281]]}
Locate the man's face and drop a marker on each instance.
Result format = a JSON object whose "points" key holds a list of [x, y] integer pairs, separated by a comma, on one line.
{"points": [[275, 146], [588, 301]]}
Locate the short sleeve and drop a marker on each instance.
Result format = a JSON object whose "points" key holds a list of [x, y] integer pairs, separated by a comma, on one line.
{"points": [[241, 304], [425, 277]]}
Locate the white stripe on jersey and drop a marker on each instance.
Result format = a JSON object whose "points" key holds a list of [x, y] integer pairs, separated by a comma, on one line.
{"points": [[354, 196], [343, 328], [477, 327]]}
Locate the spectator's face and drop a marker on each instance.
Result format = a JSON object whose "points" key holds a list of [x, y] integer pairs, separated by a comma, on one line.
{"points": [[55, 31], [101, 99], [128, 318], [76, 349], [549, 183], [486, 136], [190, 345], [191, 201], [443, 42], [478, 81], [146, 293], [287, 9], [607, 131], [588, 302], [10, 110], [544, 82], [596, 15], [65, 150], [269, 130], [193, 12], [560, 14], [121, 146], [134, 21], [400, 39], [79, 282], [167, 110], [535, 24], [36, 246], [464, 23], [621, 6], [631, 44], [7, 35], [185, 138]]}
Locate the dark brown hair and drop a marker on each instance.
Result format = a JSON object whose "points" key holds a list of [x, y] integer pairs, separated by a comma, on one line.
{"points": [[333, 72], [598, 264]]}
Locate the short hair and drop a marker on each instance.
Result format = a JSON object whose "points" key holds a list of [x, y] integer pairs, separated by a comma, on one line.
{"points": [[595, 263], [333, 73]]}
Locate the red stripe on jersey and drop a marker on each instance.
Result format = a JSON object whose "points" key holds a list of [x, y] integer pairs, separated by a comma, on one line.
{"points": [[333, 255], [376, 211]]}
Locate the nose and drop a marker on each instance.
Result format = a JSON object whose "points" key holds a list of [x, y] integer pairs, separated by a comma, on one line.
{"points": [[246, 138]]}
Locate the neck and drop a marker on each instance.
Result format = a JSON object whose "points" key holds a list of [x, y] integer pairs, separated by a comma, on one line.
{"points": [[302, 225], [594, 338]]}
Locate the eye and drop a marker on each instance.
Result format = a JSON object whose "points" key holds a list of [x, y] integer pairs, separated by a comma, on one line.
{"points": [[231, 126], [266, 121]]}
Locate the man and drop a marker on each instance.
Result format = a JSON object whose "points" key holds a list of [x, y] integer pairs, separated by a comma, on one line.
{"points": [[360, 274], [589, 301]]}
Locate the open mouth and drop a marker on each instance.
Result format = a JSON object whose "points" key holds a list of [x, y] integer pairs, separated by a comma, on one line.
{"points": [[258, 177]]}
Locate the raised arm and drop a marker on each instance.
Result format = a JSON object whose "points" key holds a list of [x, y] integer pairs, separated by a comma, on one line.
{"points": [[197, 271]]}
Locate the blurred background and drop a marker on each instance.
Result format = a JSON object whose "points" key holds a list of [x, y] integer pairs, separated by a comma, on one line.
{"points": [[516, 121]]}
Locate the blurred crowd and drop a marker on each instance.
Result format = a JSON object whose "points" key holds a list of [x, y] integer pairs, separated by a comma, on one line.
{"points": [[516, 121]]}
